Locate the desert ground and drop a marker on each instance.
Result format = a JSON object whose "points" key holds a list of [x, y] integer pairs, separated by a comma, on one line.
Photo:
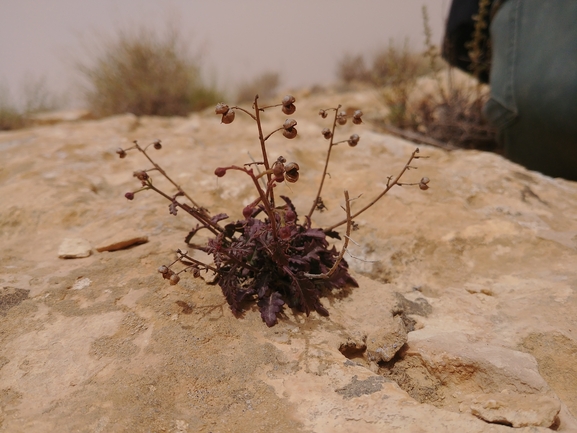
{"points": [[468, 291]]}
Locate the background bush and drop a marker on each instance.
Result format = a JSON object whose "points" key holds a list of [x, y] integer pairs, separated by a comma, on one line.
{"points": [[36, 98], [265, 85], [146, 74]]}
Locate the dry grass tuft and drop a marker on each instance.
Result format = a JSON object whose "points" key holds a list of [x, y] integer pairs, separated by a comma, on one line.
{"points": [[36, 98], [265, 85], [446, 113], [145, 74]]}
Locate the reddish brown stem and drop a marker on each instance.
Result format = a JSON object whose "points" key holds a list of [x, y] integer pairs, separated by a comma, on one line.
{"points": [[390, 184], [331, 144]]}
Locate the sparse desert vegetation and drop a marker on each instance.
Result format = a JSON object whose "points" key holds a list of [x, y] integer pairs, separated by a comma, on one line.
{"points": [[144, 73], [427, 100], [265, 85], [36, 98]]}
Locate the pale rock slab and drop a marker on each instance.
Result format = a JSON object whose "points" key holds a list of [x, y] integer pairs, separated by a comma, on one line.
{"points": [[384, 343], [459, 361], [517, 410], [74, 248]]}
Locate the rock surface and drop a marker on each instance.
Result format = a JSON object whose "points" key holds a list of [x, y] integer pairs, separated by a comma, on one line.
{"points": [[516, 410], [479, 270], [74, 248]]}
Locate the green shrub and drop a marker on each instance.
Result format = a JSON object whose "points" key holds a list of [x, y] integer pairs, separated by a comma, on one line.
{"points": [[145, 74]]}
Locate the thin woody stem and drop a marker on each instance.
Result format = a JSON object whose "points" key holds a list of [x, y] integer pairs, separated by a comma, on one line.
{"points": [[331, 144], [159, 168], [263, 196], [390, 184], [201, 217], [345, 244], [263, 146]]}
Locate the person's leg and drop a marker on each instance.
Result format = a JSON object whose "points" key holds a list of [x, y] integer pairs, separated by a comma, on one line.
{"points": [[534, 84]]}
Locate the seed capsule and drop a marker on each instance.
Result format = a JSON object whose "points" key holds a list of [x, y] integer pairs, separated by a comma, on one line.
{"points": [[327, 133], [221, 108], [289, 109], [141, 175], [353, 140], [288, 106], [174, 279], [278, 168], [423, 183], [220, 171], [290, 216], [228, 117], [163, 269], [157, 144], [121, 152], [129, 195], [289, 123], [289, 128], [342, 118], [284, 232], [292, 172], [290, 133], [323, 114], [247, 212]]}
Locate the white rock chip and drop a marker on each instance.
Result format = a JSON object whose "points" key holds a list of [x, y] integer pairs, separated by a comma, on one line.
{"points": [[74, 248]]}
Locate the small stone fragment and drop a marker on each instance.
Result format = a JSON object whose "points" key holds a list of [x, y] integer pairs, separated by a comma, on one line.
{"points": [[382, 345], [74, 248], [516, 410], [122, 240], [81, 283]]}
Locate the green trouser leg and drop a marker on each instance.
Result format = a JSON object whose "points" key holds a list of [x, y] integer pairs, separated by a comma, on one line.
{"points": [[533, 79]]}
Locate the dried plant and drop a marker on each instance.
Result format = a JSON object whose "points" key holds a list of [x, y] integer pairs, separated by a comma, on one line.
{"points": [[145, 74], [271, 256], [265, 84], [36, 97], [452, 115]]}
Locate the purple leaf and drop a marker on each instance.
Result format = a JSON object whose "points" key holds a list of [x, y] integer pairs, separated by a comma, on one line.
{"points": [[219, 217], [269, 307]]}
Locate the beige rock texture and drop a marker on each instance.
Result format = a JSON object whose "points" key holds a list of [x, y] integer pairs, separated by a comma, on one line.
{"points": [[474, 280], [74, 248], [517, 410]]}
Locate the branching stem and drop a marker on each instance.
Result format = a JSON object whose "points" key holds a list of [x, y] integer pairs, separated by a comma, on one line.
{"points": [[390, 183], [331, 144], [333, 269], [159, 168]]}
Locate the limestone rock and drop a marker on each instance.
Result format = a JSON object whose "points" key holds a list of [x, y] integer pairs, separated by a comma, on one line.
{"points": [[384, 343], [124, 239], [74, 248], [459, 362], [484, 262], [517, 410]]}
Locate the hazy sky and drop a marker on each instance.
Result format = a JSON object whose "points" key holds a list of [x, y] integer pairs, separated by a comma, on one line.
{"points": [[301, 39]]}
